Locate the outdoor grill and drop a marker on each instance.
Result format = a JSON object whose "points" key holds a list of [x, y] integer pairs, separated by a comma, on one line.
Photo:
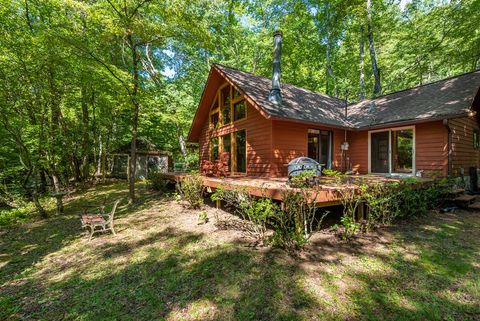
{"points": [[302, 164]]}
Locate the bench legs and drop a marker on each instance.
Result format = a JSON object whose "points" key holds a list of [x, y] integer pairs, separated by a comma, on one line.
{"points": [[92, 230], [111, 227]]}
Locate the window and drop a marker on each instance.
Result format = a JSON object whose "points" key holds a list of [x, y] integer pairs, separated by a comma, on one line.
{"points": [[392, 151], [476, 139], [239, 110], [320, 146], [214, 149], [214, 120], [226, 106], [236, 93], [241, 151], [402, 151], [227, 146]]}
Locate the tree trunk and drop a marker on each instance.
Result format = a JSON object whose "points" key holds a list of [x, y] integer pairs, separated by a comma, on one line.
{"points": [[361, 65], [136, 110], [330, 73], [376, 73], [181, 142], [38, 206], [100, 156], [85, 138]]}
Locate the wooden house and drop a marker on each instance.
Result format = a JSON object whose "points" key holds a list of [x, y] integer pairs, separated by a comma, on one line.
{"points": [[429, 128]]}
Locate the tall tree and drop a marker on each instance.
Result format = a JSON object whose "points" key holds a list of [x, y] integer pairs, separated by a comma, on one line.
{"points": [[371, 46]]}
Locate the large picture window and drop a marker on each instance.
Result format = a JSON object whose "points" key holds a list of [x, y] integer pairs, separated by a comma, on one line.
{"points": [[241, 151], [392, 151], [239, 110], [228, 105], [227, 147], [214, 149]]}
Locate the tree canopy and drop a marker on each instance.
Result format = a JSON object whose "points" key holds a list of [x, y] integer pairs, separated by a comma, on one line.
{"points": [[79, 78]]}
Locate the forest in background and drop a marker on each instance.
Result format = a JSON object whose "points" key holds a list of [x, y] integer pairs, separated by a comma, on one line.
{"points": [[81, 78]]}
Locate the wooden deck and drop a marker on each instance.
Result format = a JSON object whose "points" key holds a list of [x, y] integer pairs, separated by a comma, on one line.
{"points": [[274, 188]]}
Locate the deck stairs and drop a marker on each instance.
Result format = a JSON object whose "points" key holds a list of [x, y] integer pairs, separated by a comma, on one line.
{"points": [[466, 201]]}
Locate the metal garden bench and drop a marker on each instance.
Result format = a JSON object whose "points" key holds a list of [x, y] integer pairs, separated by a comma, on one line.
{"points": [[99, 222]]}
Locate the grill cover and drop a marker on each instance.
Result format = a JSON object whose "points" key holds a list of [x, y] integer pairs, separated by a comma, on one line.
{"points": [[302, 164]]}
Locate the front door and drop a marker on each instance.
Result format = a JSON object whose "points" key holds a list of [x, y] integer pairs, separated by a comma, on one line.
{"points": [[379, 152]]}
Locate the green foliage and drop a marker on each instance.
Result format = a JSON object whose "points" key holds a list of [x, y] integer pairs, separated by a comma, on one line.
{"points": [[386, 201], [288, 225], [258, 212], [191, 190], [331, 172], [349, 225], [14, 215], [304, 179], [202, 217], [158, 182], [71, 73], [381, 199]]}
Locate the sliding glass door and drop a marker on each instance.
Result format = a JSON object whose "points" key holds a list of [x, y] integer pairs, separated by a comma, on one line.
{"points": [[402, 151], [392, 151], [379, 151], [320, 146]]}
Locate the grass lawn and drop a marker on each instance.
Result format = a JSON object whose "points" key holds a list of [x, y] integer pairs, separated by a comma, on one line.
{"points": [[162, 265]]}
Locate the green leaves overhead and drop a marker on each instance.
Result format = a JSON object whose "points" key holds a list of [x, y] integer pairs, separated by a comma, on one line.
{"points": [[69, 81]]}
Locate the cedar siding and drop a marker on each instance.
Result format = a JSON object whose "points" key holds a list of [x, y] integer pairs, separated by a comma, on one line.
{"points": [[290, 140], [259, 146], [464, 155], [358, 151], [431, 147]]}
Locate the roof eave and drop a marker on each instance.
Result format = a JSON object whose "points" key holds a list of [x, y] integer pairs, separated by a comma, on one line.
{"points": [[313, 123], [411, 121]]}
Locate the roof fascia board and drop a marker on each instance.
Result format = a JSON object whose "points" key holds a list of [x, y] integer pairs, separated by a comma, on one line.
{"points": [[410, 122], [198, 106]]}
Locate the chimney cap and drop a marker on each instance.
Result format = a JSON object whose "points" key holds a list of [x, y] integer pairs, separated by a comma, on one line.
{"points": [[277, 33]]}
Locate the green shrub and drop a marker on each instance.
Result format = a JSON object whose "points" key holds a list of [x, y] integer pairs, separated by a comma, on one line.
{"points": [[331, 172], [381, 199], [158, 182], [303, 179], [349, 192], [19, 214], [259, 212], [287, 225], [294, 225], [191, 190], [202, 217]]}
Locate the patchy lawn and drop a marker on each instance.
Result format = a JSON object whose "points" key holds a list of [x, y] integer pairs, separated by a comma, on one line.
{"points": [[162, 265]]}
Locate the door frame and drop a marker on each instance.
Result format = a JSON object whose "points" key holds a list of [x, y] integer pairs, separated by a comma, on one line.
{"points": [[390, 130], [330, 155]]}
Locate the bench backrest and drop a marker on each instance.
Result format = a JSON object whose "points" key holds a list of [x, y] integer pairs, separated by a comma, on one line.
{"points": [[112, 213]]}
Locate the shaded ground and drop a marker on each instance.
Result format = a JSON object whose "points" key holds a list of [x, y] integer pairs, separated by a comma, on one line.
{"points": [[163, 265]]}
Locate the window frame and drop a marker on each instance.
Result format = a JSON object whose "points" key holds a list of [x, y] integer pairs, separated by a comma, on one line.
{"points": [[219, 101], [390, 151]]}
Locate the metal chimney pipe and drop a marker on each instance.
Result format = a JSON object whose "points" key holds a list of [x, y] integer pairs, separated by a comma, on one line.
{"points": [[275, 95]]}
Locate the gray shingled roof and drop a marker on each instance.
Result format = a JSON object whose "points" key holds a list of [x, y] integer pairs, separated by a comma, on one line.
{"points": [[444, 98], [297, 103]]}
